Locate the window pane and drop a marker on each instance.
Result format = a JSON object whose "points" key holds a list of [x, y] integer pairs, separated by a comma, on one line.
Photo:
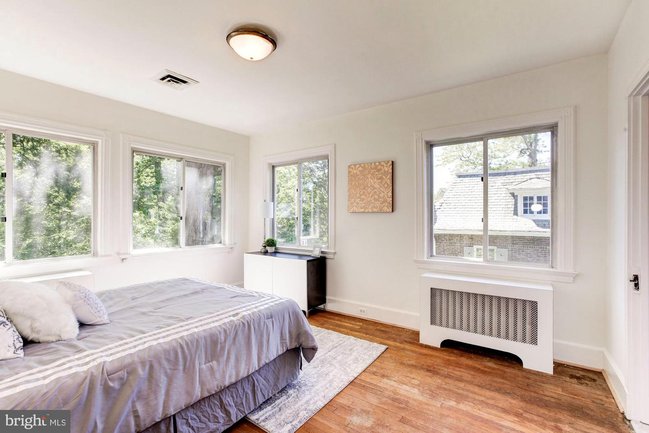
{"points": [[286, 204], [458, 200], [203, 203], [315, 203], [156, 201], [53, 193], [520, 186], [3, 182]]}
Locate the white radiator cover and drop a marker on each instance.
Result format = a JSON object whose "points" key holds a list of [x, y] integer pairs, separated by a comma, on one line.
{"points": [[514, 317]]}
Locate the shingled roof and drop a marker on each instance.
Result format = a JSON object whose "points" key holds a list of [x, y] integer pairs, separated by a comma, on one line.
{"points": [[460, 210]]}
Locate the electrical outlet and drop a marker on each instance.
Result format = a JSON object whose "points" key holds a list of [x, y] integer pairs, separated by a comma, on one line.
{"points": [[362, 310]]}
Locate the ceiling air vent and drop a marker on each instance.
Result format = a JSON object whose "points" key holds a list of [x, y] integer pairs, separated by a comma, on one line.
{"points": [[175, 80]]}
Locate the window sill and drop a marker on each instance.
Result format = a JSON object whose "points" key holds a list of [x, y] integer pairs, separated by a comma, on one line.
{"points": [[306, 251], [196, 249], [529, 273], [31, 268]]}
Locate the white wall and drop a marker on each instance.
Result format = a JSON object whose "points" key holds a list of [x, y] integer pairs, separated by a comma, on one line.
{"points": [[374, 264], [628, 61], [32, 98]]}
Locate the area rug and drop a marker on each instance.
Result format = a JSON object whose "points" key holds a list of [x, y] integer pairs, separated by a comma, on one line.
{"points": [[339, 360]]}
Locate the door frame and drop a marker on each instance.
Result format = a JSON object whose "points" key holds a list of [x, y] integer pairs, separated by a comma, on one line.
{"points": [[637, 302]]}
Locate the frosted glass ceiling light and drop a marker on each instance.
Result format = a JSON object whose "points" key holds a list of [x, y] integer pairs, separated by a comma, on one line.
{"points": [[251, 44]]}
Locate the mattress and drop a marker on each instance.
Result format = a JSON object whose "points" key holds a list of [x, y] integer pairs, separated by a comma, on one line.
{"points": [[169, 344]]}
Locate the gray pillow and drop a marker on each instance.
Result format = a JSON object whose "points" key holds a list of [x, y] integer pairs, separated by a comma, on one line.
{"points": [[86, 305], [11, 343]]}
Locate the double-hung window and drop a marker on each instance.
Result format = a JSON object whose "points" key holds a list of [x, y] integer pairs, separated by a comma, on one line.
{"points": [[493, 193], [177, 202], [47, 196], [301, 196]]}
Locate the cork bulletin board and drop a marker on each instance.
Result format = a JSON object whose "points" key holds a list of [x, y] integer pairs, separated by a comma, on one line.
{"points": [[369, 187]]}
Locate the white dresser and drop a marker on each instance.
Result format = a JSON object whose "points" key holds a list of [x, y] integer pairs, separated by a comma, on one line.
{"points": [[299, 277]]}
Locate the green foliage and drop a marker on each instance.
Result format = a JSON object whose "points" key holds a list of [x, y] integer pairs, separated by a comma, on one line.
{"points": [[270, 242], [314, 204], [53, 189], [519, 151], [156, 201], [286, 202]]}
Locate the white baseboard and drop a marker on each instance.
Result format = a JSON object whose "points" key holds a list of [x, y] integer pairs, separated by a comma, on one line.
{"points": [[615, 380], [579, 354], [392, 316]]}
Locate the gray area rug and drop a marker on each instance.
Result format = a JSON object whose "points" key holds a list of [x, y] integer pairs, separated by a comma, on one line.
{"points": [[339, 360]]}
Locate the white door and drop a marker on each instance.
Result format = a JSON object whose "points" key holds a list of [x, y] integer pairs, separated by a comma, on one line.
{"points": [[638, 256]]}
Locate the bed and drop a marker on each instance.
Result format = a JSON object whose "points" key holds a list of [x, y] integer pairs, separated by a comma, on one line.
{"points": [[178, 356]]}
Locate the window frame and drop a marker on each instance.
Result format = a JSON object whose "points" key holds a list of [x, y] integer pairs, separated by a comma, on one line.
{"points": [[484, 139], [142, 145], [562, 269], [12, 125], [298, 225], [296, 157]]}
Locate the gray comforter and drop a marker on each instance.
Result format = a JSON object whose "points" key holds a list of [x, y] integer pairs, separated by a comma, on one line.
{"points": [[169, 344]]}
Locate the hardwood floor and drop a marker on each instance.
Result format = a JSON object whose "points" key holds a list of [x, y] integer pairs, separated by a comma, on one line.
{"points": [[415, 388]]}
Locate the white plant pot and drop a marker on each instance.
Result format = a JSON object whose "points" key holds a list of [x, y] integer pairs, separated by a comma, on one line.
{"points": [[271, 249]]}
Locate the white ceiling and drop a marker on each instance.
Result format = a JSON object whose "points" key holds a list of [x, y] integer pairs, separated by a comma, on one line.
{"points": [[333, 56]]}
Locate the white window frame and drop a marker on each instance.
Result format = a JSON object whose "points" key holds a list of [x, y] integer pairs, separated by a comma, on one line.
{"points": [[536, 195], [133, 144], [294, 157], [58, 131], [563, 200]]}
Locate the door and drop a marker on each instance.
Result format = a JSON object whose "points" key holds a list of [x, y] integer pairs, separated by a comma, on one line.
{"points": [[637, 291]]}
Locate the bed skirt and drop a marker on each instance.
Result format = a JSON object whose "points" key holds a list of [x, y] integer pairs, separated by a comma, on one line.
{"points": [[221, 410]]}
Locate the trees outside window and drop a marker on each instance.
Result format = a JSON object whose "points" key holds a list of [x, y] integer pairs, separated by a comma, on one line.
{"points": [[301, 197], [176, 202], [51, 182]]}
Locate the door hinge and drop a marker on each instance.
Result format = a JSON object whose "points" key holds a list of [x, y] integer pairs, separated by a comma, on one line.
{"points": [[636, 282], [3, 219]]}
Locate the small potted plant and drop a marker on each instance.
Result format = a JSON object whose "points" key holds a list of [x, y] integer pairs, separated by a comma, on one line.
{"points": [[270, 245]]}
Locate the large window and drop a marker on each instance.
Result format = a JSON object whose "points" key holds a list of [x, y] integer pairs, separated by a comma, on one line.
{"points": [[301, 197], [46, 196], [176, 202], [493, 193]]}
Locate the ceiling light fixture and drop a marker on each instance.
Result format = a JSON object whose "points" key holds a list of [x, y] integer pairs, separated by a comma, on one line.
{"points": [[251, 43]]}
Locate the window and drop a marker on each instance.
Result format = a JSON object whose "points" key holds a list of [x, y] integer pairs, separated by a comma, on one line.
{"points": [[493, 193], [46, 196], [176, 202], [301, 196]]}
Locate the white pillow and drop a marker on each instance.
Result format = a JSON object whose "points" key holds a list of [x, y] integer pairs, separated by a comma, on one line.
{"points": [[11, 343], [85, 304], [38, 312]]}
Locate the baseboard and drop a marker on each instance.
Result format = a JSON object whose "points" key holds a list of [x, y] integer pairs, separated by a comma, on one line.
{"points": [[615, 380], [392, 316], [580, 355]]}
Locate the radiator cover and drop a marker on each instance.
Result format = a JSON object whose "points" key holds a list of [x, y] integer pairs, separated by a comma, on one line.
{"points": [[494, 316], [514, 317]]}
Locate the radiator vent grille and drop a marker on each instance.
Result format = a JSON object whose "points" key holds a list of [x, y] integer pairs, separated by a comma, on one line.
{"points": [[494, 316]]}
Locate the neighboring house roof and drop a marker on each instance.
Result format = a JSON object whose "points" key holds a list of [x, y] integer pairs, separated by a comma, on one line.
{"points": [[460, 209]]}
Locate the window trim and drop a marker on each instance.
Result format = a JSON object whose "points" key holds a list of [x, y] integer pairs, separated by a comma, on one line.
{"points": [[293, 157], [132, 144], [563, 202], [99, 140], [484, 139]]}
